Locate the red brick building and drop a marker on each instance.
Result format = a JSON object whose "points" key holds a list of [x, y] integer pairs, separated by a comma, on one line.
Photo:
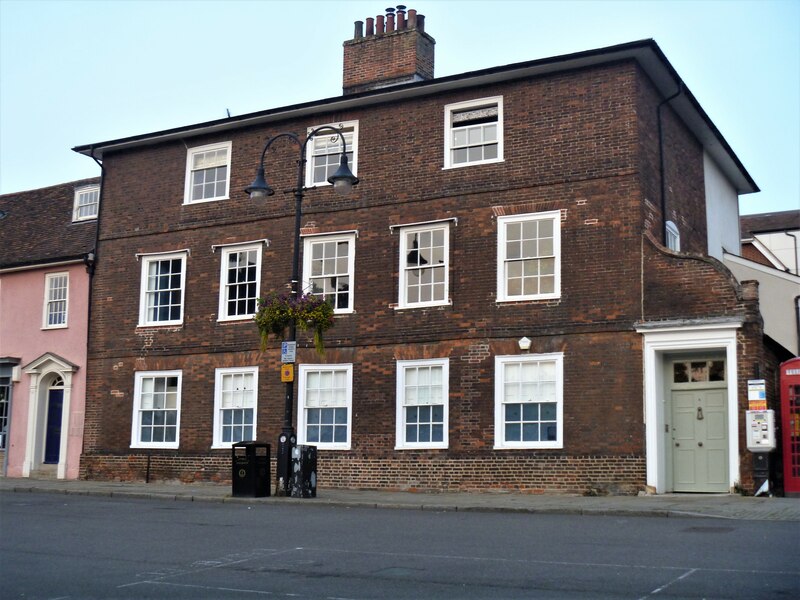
{"points": [[536, 200]]}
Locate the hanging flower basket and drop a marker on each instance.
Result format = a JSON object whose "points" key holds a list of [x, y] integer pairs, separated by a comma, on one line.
{"points": [[309, 312]]}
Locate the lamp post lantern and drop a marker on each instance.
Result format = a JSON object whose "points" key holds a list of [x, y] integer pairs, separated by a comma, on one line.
{"points": [[343, 181]]}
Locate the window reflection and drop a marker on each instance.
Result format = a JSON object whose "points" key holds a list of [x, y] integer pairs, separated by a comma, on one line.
{"points": [[698, 371]]}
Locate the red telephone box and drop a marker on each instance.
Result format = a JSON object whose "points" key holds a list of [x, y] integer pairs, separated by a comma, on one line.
{"points": [[790, 419]]}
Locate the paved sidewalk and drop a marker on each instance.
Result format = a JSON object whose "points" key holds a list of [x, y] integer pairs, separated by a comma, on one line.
{"points": [[724, 506]]}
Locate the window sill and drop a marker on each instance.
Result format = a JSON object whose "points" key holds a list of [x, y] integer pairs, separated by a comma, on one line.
{"points": [[52, 327], [205, 200], [473, 164], [531, 446], [423, 447], [154, 446], [241, 319], [544, 297], [422, 306]]}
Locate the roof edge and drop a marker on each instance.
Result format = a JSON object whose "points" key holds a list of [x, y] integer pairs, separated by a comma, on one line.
{"points": [[75, 183], [45, 262], [646, 52]]}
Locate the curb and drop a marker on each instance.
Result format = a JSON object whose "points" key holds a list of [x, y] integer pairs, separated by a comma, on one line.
{"points": [[730, 511]]}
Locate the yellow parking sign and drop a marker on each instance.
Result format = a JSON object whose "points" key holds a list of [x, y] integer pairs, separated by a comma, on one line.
{"points": [[287, 373]]}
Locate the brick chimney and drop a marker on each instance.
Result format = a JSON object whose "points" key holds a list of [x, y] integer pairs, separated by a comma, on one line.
{"points": [[395, 49]]}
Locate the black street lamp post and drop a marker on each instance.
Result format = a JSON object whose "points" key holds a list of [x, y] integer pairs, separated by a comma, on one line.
{"points": [[343, 181]]}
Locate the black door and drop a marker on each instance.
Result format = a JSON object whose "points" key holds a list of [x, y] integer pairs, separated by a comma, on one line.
{"points": [[52, 444]]}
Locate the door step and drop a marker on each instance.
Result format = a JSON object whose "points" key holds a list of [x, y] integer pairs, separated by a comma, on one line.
{"points": [[45, 472]]}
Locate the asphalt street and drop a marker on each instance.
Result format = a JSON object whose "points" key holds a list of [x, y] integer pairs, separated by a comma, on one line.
{"points": [[73, 546]]}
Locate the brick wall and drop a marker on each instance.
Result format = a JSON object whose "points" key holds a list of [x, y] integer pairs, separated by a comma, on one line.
{"points": [[750, 252], [687, 286], [603, 434], [395, 50], [684, 180], [552, 163], [383, 60], [418, 472], [471, 371], [574, 142]]}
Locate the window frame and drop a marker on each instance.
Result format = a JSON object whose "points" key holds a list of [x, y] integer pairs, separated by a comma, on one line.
{"points": [[499, 419], [673, 236], [222, 312], [218, 421], [143, 291], [308, 242], [76, 205], [402, 302], [5, 405], [190, 154], [137, 402], [400, 418], [451, 109], [347, 127], [49, 278], [502, 223], [304, 370]]}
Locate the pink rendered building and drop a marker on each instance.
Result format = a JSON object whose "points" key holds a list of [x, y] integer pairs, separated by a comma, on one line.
{"points": [[47, 237]]}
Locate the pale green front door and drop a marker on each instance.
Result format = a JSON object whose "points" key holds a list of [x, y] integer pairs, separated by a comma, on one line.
{"points": [[700, 440]]}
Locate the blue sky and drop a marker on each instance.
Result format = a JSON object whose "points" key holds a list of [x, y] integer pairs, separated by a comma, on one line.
{"points": [[77, 72]]}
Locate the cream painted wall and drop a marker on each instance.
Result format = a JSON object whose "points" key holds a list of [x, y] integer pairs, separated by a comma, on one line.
{"points": [[722, 211], [785, 247], [776, 293]]}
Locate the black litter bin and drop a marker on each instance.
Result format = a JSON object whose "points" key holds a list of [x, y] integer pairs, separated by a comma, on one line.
{"points": [[304, 472], [250, 470]]}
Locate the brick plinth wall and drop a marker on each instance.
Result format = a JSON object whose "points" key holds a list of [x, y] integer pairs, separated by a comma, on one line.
{"points": [[162, 467], [414, 472], [509, 472]]}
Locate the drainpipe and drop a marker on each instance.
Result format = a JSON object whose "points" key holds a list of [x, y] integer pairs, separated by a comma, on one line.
{"points": [[90, 268], [90, 265], [796, 298], [8, 416], [661, 166], [8, 429]]}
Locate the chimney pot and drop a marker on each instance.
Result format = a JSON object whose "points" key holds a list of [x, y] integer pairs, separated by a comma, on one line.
{"points": [[389, 20], [394, 50], [401, 17]]}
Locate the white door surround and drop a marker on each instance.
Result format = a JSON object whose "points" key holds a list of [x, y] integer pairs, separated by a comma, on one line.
{"points": [[43, 372], [661, 341]]}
